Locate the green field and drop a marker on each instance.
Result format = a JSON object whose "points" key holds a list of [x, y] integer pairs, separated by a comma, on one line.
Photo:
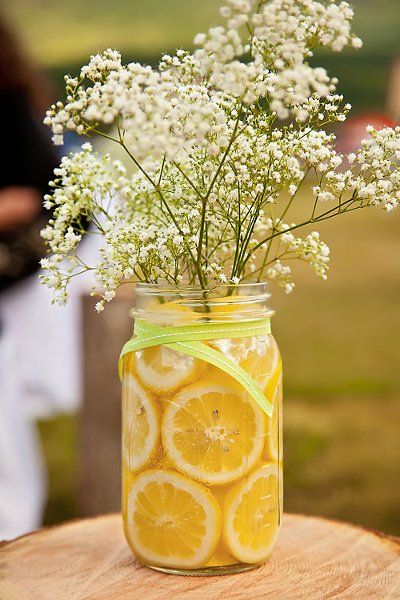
{"points": [[62, 32], [61, 36], [339, 339]]}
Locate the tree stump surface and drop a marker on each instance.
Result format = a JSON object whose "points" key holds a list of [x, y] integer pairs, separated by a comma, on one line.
{"points": [[89, 560]]}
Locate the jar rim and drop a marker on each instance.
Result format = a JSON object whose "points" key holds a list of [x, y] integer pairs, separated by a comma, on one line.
{"points": [[249, 299], [165, 287]]}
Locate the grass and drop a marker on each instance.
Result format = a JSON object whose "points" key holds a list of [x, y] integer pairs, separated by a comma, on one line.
{"points": [[342, 460], [61, 36], [59, 437], [66, 32], [340, 337], [61, 32]]}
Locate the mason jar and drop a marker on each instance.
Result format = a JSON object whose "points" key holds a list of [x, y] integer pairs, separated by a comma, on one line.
{"points": [[201, 459]]}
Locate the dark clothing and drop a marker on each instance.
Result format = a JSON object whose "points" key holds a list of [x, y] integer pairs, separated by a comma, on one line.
{"points": [[27, 159]]}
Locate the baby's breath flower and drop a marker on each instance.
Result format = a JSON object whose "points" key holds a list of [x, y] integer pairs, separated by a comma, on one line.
{"points": [[221, 140]]}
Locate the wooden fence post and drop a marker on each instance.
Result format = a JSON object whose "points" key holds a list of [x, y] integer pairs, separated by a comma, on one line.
{"points": [[100, 428]]}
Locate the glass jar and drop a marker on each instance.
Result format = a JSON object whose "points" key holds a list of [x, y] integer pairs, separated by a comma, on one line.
{"points": [[202, 461]]}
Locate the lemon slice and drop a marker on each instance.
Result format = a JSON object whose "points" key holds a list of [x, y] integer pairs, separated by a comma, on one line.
{"points": [[172, 521], [267, 359], [237, 305], [161, 369], [251, 515], [273, 434], [141, 424], [213, 432], [171, 313], [164, 371], [128, 364], [258, 355]]}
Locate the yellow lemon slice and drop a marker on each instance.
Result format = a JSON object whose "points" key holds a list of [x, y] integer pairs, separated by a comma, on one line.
{"points": [[128, 364], [171, 520], [171, 313], [237, 305], [263, 359], [141, 424], [163, 370], [251, 515], [212, 432], [258, 355], [273, 434], [221, 558], [273, 380]]}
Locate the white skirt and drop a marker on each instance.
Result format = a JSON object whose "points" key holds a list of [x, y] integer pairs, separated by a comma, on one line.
{"points": [[40, 376]]}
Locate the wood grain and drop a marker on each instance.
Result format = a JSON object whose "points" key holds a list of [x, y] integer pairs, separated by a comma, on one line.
{"points": [[89, 560]]}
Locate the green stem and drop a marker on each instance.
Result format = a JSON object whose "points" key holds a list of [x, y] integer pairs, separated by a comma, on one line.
{"points": [[264, 262], [323, 217], [167, 207], [206, 197]]}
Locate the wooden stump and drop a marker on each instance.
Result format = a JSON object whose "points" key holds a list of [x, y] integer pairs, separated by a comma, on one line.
{"points": [[89, 560]]}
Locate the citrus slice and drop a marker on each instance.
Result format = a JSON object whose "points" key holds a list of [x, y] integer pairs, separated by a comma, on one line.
{"points": [[251, 515], [163, 370], [171, 520], [213, 432], [141, 424], [273, 434], [273, 380], [221, 558], [171, 313], [258, 355], [159, 368], [128, 363], [268, 358]]}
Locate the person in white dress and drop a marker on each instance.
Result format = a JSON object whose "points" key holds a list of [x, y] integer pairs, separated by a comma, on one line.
{"points": [[40, 376], [39, 344]]}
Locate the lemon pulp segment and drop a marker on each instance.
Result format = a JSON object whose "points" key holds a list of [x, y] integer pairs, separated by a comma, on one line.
{"points": [[251, 515], [171, 520], [213, 433], [141, 431]]}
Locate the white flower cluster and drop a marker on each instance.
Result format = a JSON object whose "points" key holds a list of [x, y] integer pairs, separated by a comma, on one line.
{"points": [[140, 250], [283, 35], [378, 160], [282, 274], [375, 181], [84, 185], [310, 249], [155, 115], [221, 140]]}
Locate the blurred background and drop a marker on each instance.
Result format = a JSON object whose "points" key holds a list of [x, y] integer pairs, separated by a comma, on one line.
{"points": [[340, 339]]}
